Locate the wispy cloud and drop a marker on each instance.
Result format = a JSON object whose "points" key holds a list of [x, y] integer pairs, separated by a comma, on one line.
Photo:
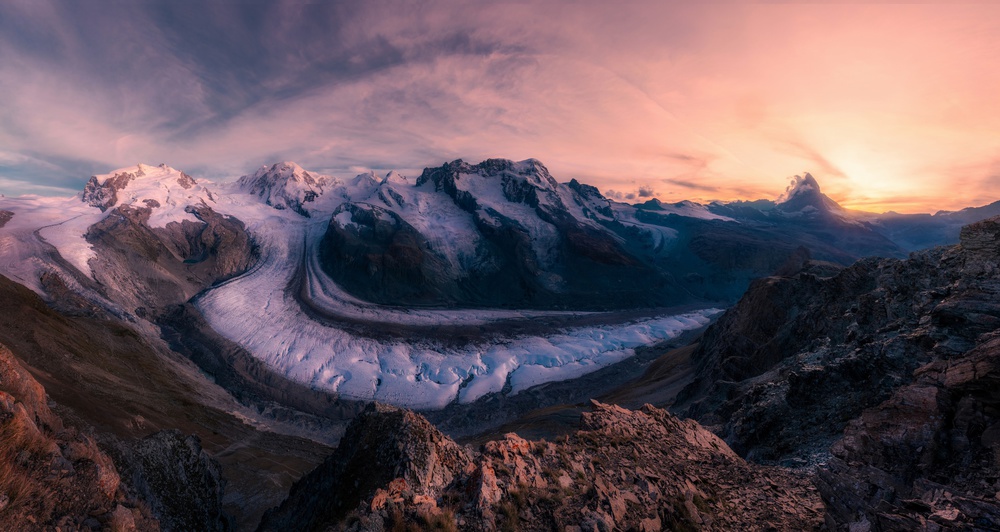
{"points": [[700, 187], [813, 157], [666, 97]]}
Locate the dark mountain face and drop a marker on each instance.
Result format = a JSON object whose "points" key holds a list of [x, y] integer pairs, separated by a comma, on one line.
{"points": [[546, 257], [900, 353], [155, 267], [539, 244], [914, 232]]}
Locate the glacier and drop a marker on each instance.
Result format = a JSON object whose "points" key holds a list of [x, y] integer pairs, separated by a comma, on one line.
{"points": [[262, 309]]}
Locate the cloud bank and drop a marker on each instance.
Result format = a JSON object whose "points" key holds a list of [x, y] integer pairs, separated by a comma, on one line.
{"points": [[890, 106]]}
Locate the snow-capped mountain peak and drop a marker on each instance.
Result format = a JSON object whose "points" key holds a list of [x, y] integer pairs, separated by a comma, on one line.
{"points": [[366, 179], [166, 191], [800, 185], [284, 185], [803, 195], [394, 177]]}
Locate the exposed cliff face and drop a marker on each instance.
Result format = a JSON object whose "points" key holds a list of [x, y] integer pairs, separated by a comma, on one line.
{"points": [[899, 357], [929, 457], [628, 470], [149, 268], [803, 355]]}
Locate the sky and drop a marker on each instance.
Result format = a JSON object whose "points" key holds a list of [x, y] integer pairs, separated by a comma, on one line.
{"points": [[889, 106]]}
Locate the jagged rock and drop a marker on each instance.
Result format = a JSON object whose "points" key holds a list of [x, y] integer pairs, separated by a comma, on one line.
{"points": [[5, 217], [929, 456], [50, 474], [182, 485], [387, 457], [783, 372], [104, 195], [122, 520], [644, 469], [898, 362]]}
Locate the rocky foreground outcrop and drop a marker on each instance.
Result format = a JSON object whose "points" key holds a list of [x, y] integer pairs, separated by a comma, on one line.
{"points": [[51, 475], [624, 470], [895, 363], [929, 457], [783, 372]]}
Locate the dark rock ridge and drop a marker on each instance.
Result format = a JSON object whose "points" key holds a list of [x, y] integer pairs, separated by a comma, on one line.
{"points": [[381, 257], [382, 444], [5, 217], [624, 470], [181, 484], [149, 268], [900, 353], [913, 232], [805, 354], [599, 256]]}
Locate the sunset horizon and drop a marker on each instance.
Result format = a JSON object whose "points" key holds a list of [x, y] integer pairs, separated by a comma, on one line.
{"points": [[890, 106]]}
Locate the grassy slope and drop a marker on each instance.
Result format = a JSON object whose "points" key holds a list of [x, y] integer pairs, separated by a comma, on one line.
{"points": [[106, 376]]}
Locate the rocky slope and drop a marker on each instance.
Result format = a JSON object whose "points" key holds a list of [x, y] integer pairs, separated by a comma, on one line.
{"points": [[901, 354], [107, 380], [624, 470], [928, 458], [148, 268], [51, 475]]}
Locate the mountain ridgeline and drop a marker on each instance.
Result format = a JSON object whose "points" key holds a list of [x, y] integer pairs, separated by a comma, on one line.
{"points": [[852, 381], [495, 234], [519, 239], [506, 234]]}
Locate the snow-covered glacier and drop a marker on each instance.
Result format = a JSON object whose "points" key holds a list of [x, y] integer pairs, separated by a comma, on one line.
{"points": [[288, 312], [421, 373]]}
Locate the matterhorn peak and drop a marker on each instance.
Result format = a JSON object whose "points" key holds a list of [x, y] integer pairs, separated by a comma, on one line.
{"points": [[801, 184], [803, 196]]}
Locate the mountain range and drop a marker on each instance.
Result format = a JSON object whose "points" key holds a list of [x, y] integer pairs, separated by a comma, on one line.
{"points": [[411, 270], [272, 308]]}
